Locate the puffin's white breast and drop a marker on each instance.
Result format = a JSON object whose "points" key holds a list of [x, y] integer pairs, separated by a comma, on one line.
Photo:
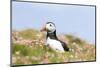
{"points": [[55, 44]]}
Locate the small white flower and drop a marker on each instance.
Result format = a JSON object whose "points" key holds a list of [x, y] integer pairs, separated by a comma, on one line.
{"points": [[71, 56], [17, 52]]}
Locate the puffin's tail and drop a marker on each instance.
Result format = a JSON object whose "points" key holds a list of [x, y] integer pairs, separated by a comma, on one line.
{"points": [[66, 48]]}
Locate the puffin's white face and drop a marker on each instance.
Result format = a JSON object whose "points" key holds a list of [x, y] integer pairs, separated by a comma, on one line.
{"points": [[49, 27]]}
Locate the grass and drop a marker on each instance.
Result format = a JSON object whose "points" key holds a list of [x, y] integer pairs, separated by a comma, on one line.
{"points": [[37, 55], [28, 34], [23, 54]]}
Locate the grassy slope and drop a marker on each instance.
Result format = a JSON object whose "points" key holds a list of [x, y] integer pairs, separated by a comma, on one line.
{"points": [[38, 54]]}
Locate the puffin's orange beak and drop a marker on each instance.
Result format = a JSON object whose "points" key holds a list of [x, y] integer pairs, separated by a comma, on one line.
{"points": [[43, 29]]}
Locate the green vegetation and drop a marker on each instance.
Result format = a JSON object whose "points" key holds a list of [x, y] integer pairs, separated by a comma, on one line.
{"points": [[80, 50], [28, 34]]}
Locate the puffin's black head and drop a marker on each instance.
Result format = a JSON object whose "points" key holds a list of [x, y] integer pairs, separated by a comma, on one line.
{"points": [[49, 27]]}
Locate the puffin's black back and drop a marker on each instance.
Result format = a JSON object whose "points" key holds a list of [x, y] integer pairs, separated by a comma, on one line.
{"points": [[64, 46]]}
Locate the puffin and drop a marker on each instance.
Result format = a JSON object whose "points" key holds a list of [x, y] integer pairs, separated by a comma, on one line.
{"points": [[51, 38]]}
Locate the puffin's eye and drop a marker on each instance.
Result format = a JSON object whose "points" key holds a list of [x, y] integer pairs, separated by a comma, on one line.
{"points": [[50, 25]]}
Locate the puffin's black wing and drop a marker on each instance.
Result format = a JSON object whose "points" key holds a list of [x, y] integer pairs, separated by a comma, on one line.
{"points": [[65, 46]]}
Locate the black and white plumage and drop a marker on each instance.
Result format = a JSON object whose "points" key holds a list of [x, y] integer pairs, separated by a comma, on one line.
{"points": [[52, 40]]}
